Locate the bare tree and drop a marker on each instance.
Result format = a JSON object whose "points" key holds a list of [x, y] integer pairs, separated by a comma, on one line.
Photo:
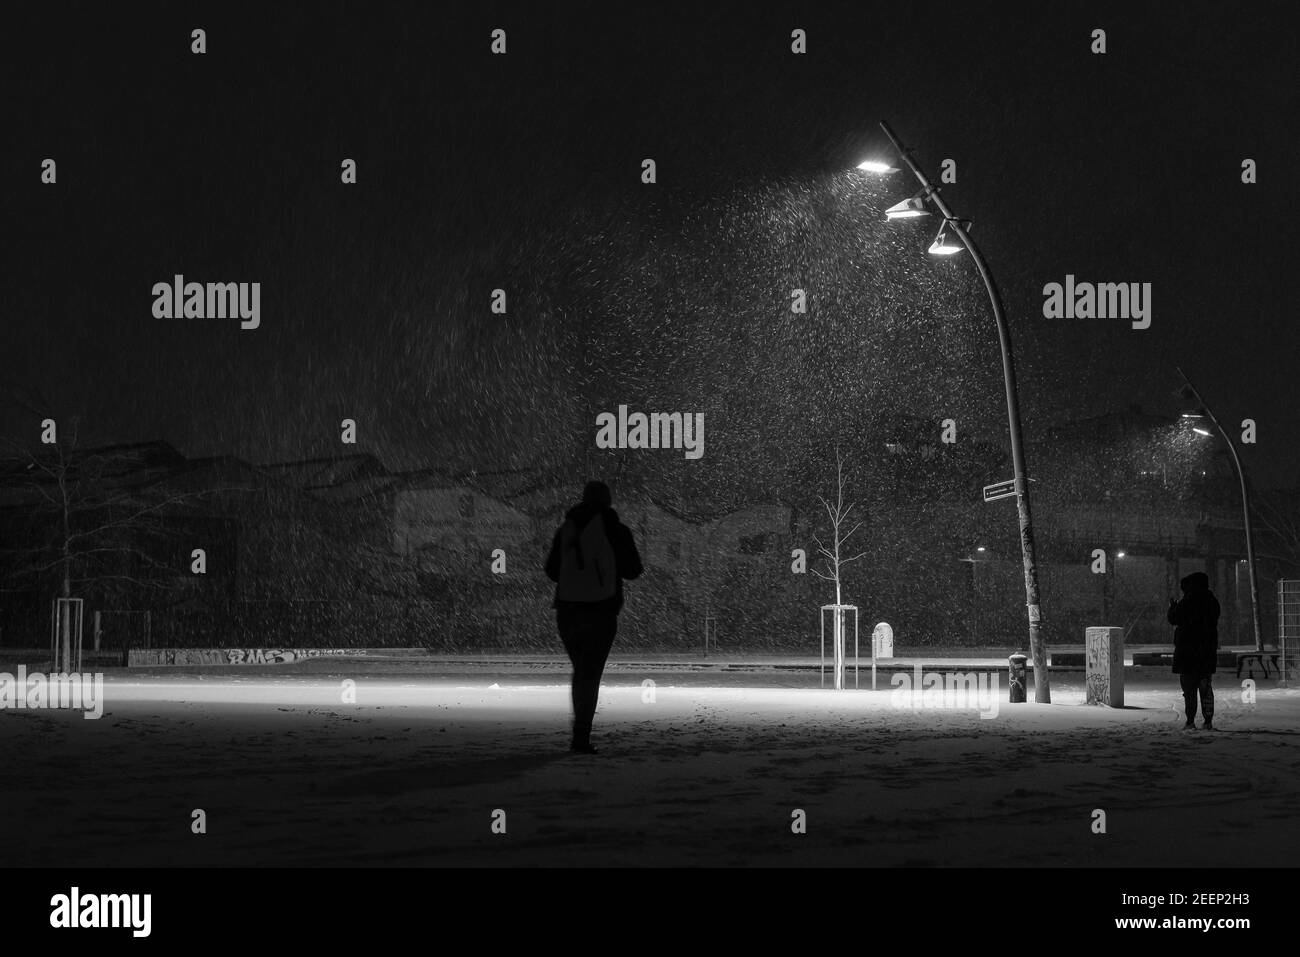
{"points": [[838, 515], [88, 516], [1278, 516]]}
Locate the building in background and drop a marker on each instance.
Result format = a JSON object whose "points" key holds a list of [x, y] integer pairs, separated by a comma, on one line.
{"points": [[341, 550]]}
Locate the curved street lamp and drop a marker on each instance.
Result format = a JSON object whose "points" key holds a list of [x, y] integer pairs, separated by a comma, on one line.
{"points": [[1245, 502], [944, 244]]}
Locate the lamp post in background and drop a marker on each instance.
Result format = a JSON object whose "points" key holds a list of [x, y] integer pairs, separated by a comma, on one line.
{"points": [[1245, 501], [952, 237]]}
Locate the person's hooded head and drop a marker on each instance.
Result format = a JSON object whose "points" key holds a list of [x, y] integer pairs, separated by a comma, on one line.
{"points": [[1195, 583], [596, 500], [597, 495]]}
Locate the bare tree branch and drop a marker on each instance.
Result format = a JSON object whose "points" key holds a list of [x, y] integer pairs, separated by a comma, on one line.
{"points": [[837, 516], [132, 520], [830, 513], [142, 582], [107, 511]]}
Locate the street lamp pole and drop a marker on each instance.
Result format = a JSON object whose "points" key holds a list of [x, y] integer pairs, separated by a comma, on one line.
{"points": [[1245, 511], [1037, 647]]}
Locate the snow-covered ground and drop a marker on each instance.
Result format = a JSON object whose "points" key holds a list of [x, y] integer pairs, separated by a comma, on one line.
{"points": [[412, 772]]}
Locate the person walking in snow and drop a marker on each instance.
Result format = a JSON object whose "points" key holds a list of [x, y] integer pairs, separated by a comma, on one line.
{"points": [[1195, 618], [591, 554]]}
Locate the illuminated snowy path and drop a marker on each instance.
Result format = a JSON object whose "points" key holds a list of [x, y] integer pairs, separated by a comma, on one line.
{"points": [[411, 773]]}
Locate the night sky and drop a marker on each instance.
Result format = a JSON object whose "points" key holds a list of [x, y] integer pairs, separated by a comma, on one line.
{"points": [[522, 171]]}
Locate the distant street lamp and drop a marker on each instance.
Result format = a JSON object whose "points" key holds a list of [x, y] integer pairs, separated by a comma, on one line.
{"points": [[952, 237], [1245, 501]]}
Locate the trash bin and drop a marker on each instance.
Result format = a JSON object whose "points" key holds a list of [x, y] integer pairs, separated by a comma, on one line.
{"points": [[1017, 678]]}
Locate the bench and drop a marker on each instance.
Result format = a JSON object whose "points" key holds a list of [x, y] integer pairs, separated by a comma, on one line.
{"points": [[1263, 657], [1153, 659]]}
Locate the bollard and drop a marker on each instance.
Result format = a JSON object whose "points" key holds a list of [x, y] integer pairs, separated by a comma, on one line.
{"points": [[1016, 678]]}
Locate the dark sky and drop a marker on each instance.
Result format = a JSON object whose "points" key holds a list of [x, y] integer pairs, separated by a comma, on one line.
{"points": [[522, 171]]}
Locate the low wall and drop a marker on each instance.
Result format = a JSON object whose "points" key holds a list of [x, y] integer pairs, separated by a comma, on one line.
{"points": [[146, 657]]}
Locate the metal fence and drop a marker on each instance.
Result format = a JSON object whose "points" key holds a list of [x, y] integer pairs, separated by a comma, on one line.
{"points": [[1288, 623]]}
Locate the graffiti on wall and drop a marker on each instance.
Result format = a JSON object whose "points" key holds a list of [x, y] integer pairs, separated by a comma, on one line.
{"points": [[275, 656]]}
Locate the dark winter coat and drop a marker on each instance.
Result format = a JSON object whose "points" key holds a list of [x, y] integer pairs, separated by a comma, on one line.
{"points": [[1195, 618], [626, 559]]}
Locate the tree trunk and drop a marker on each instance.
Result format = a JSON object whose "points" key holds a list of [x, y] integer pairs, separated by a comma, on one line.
{"points": [[65, 620], [839, 622]]}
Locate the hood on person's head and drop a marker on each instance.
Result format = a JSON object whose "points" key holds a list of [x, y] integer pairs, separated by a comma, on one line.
{"points": [[1196, 581], [597, 495], [596, 499]]}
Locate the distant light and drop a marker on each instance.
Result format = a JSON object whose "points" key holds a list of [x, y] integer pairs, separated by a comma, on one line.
{"points": [[1199, 431], [907, 209], [943, 244], [1120, 554], [1192, 415], [980, 549], [875, 166], [1241, 561]]}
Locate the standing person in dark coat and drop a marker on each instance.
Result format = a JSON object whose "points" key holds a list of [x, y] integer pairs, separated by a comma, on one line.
{"points": [[591, 554], [1195, 618]]}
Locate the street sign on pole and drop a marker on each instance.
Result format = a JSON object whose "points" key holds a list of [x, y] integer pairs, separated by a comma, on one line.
{"points": [[999, 490]]}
